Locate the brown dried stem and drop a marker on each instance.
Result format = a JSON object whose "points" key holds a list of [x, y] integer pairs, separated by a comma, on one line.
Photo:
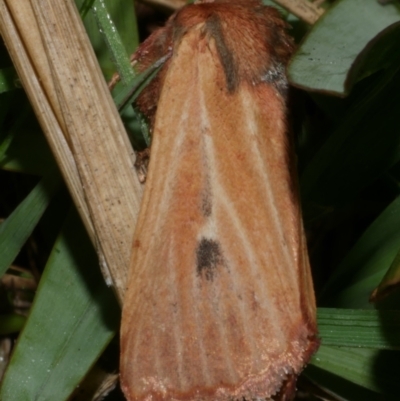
{"points": [[59, 71]]}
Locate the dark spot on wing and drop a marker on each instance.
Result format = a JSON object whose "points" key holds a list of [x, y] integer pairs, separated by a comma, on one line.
{"points": [[209, 256]]}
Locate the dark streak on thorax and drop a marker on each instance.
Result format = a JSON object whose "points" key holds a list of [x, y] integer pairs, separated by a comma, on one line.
{"points": [[213, 25]]}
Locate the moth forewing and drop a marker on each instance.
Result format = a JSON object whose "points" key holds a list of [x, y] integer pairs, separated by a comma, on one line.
{"points": [[220, 303]]}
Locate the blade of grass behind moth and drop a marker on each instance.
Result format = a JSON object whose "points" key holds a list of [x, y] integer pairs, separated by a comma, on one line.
{"points": [[73, 317], [84, 7], [360, 328], [376, 370], [16, 229], [130, 93], [113, 40], [390, 282], [124, 96], [367, 262], [325, 58], [112, 23]]}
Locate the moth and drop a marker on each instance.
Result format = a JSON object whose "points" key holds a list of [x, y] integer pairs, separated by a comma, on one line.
{"points": [[220, 302]]}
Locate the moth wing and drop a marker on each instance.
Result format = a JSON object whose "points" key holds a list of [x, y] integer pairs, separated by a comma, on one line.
{"points": [[220, 302]]}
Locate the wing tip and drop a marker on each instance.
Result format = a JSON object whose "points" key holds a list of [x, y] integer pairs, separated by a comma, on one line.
{"points": [[276, 383]]}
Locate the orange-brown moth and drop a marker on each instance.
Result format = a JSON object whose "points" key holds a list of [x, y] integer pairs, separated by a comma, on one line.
{"points": [[220, 302]]}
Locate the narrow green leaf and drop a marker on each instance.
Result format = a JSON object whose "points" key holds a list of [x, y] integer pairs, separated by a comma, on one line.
{"points": [[365, 265], [381, 52], [125, 96], [121, 42], [373, 369], [84, 7], [16, 229], [359, 328], [390, 282], [113, 41], [128, 94], [73, 318], [326, 56]]}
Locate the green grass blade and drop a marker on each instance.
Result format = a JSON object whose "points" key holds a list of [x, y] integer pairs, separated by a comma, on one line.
{"points": [[124, 97], [113, 41], [128, 94], [359, 328], [84, 7], [390, 282], [380, 53], [118, 29], [16, 229], [366, 264], [326, 56], [373, 369], [73, 318]]}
